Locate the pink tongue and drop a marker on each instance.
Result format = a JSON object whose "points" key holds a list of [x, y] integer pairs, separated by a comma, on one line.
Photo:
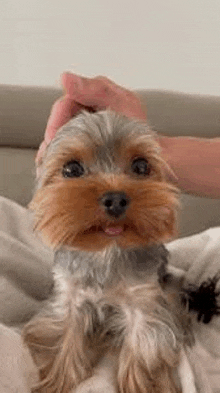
{"points": [[113, 231]]}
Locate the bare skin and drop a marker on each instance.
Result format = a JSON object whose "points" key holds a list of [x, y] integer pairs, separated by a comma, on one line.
{"points": [[195, 161]]}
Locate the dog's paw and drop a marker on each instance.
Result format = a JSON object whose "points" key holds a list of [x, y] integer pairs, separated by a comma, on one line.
{"points": [[95, 384]]}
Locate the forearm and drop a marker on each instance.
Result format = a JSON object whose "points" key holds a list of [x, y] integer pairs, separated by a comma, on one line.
{"points": [[195, 162]]}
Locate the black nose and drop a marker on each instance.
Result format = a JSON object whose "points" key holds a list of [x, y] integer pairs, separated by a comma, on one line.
{"points": [[115, 203]]}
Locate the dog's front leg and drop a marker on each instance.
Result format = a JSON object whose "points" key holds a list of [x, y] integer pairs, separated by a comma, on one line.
{"points": [[65, 347], [104, 379]]}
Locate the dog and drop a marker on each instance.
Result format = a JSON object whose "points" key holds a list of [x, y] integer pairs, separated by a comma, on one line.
{"points": [[103, 203]]}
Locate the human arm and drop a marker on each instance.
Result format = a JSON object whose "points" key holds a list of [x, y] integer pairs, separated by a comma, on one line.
{"points": [[195, 162]]}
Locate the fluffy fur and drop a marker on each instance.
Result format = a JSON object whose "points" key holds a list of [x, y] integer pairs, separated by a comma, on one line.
{"points": [[106, 300]]}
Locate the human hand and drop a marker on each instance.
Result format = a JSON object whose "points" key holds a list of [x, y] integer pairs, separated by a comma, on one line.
{"points": [[92, 94]]}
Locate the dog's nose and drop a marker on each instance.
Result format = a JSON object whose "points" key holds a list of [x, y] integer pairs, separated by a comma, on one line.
{"points": [[115, 203]]}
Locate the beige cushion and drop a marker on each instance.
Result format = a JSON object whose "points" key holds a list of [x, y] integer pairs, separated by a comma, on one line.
{"points": [[175, 114], [25, 275], [23, 115], [17, 174], [24, 111]]}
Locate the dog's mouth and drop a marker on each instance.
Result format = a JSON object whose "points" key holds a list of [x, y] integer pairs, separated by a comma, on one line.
{"points": [[110, 229], [113, 230]]}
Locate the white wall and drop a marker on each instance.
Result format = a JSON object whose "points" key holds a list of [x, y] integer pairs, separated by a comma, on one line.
{"points": [[170, 44]]}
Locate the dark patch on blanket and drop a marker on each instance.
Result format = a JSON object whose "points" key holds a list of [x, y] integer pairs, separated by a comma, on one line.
{"points": [[203, 299]]}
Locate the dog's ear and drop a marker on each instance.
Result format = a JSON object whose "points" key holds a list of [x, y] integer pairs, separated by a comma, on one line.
{"points": [[39, 159], [38, 171], [169, 174]]}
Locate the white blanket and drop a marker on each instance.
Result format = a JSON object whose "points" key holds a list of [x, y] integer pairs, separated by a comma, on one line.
{"points": [[25, 265], [25, 280], [199, 257]]}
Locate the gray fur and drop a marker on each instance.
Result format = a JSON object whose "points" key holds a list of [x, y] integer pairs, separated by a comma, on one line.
{"points": [[110, 266], [103, 130], [110, 297]]}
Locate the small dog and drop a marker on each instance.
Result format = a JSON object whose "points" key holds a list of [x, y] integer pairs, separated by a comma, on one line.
{"points": [[103, 202]]}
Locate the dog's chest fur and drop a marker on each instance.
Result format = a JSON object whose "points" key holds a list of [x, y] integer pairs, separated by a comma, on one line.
{"points": [[108, 267]]}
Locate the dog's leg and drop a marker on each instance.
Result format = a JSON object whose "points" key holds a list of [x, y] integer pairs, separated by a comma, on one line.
{"points": [[136, 374], [65, 349], [104, 379], [148, 353]]}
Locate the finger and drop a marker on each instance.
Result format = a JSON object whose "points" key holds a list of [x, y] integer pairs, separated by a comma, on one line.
{"points": [[62, 111], [71, 83], [90, 92], [101, 93]]}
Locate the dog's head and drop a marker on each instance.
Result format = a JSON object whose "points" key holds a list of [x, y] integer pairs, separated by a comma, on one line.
{"points": [[102, 181]]}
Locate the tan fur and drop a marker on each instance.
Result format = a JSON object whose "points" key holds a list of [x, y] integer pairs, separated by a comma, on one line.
{"points": [[65, 210], [148, 349], [60, 346], [141, 324]]}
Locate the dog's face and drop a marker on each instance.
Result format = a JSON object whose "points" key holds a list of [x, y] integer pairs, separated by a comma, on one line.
{"points": [[102, 182]]}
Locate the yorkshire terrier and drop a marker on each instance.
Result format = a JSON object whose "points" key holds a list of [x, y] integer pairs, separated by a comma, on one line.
{"points": [[104, 204]]}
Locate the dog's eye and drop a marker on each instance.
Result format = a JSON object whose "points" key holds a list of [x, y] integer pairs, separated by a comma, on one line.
{"points": [[73, 169], [140, 166]]}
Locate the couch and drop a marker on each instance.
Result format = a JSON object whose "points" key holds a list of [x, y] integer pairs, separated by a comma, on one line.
{"points": [[23, 115], [25, 264]]}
